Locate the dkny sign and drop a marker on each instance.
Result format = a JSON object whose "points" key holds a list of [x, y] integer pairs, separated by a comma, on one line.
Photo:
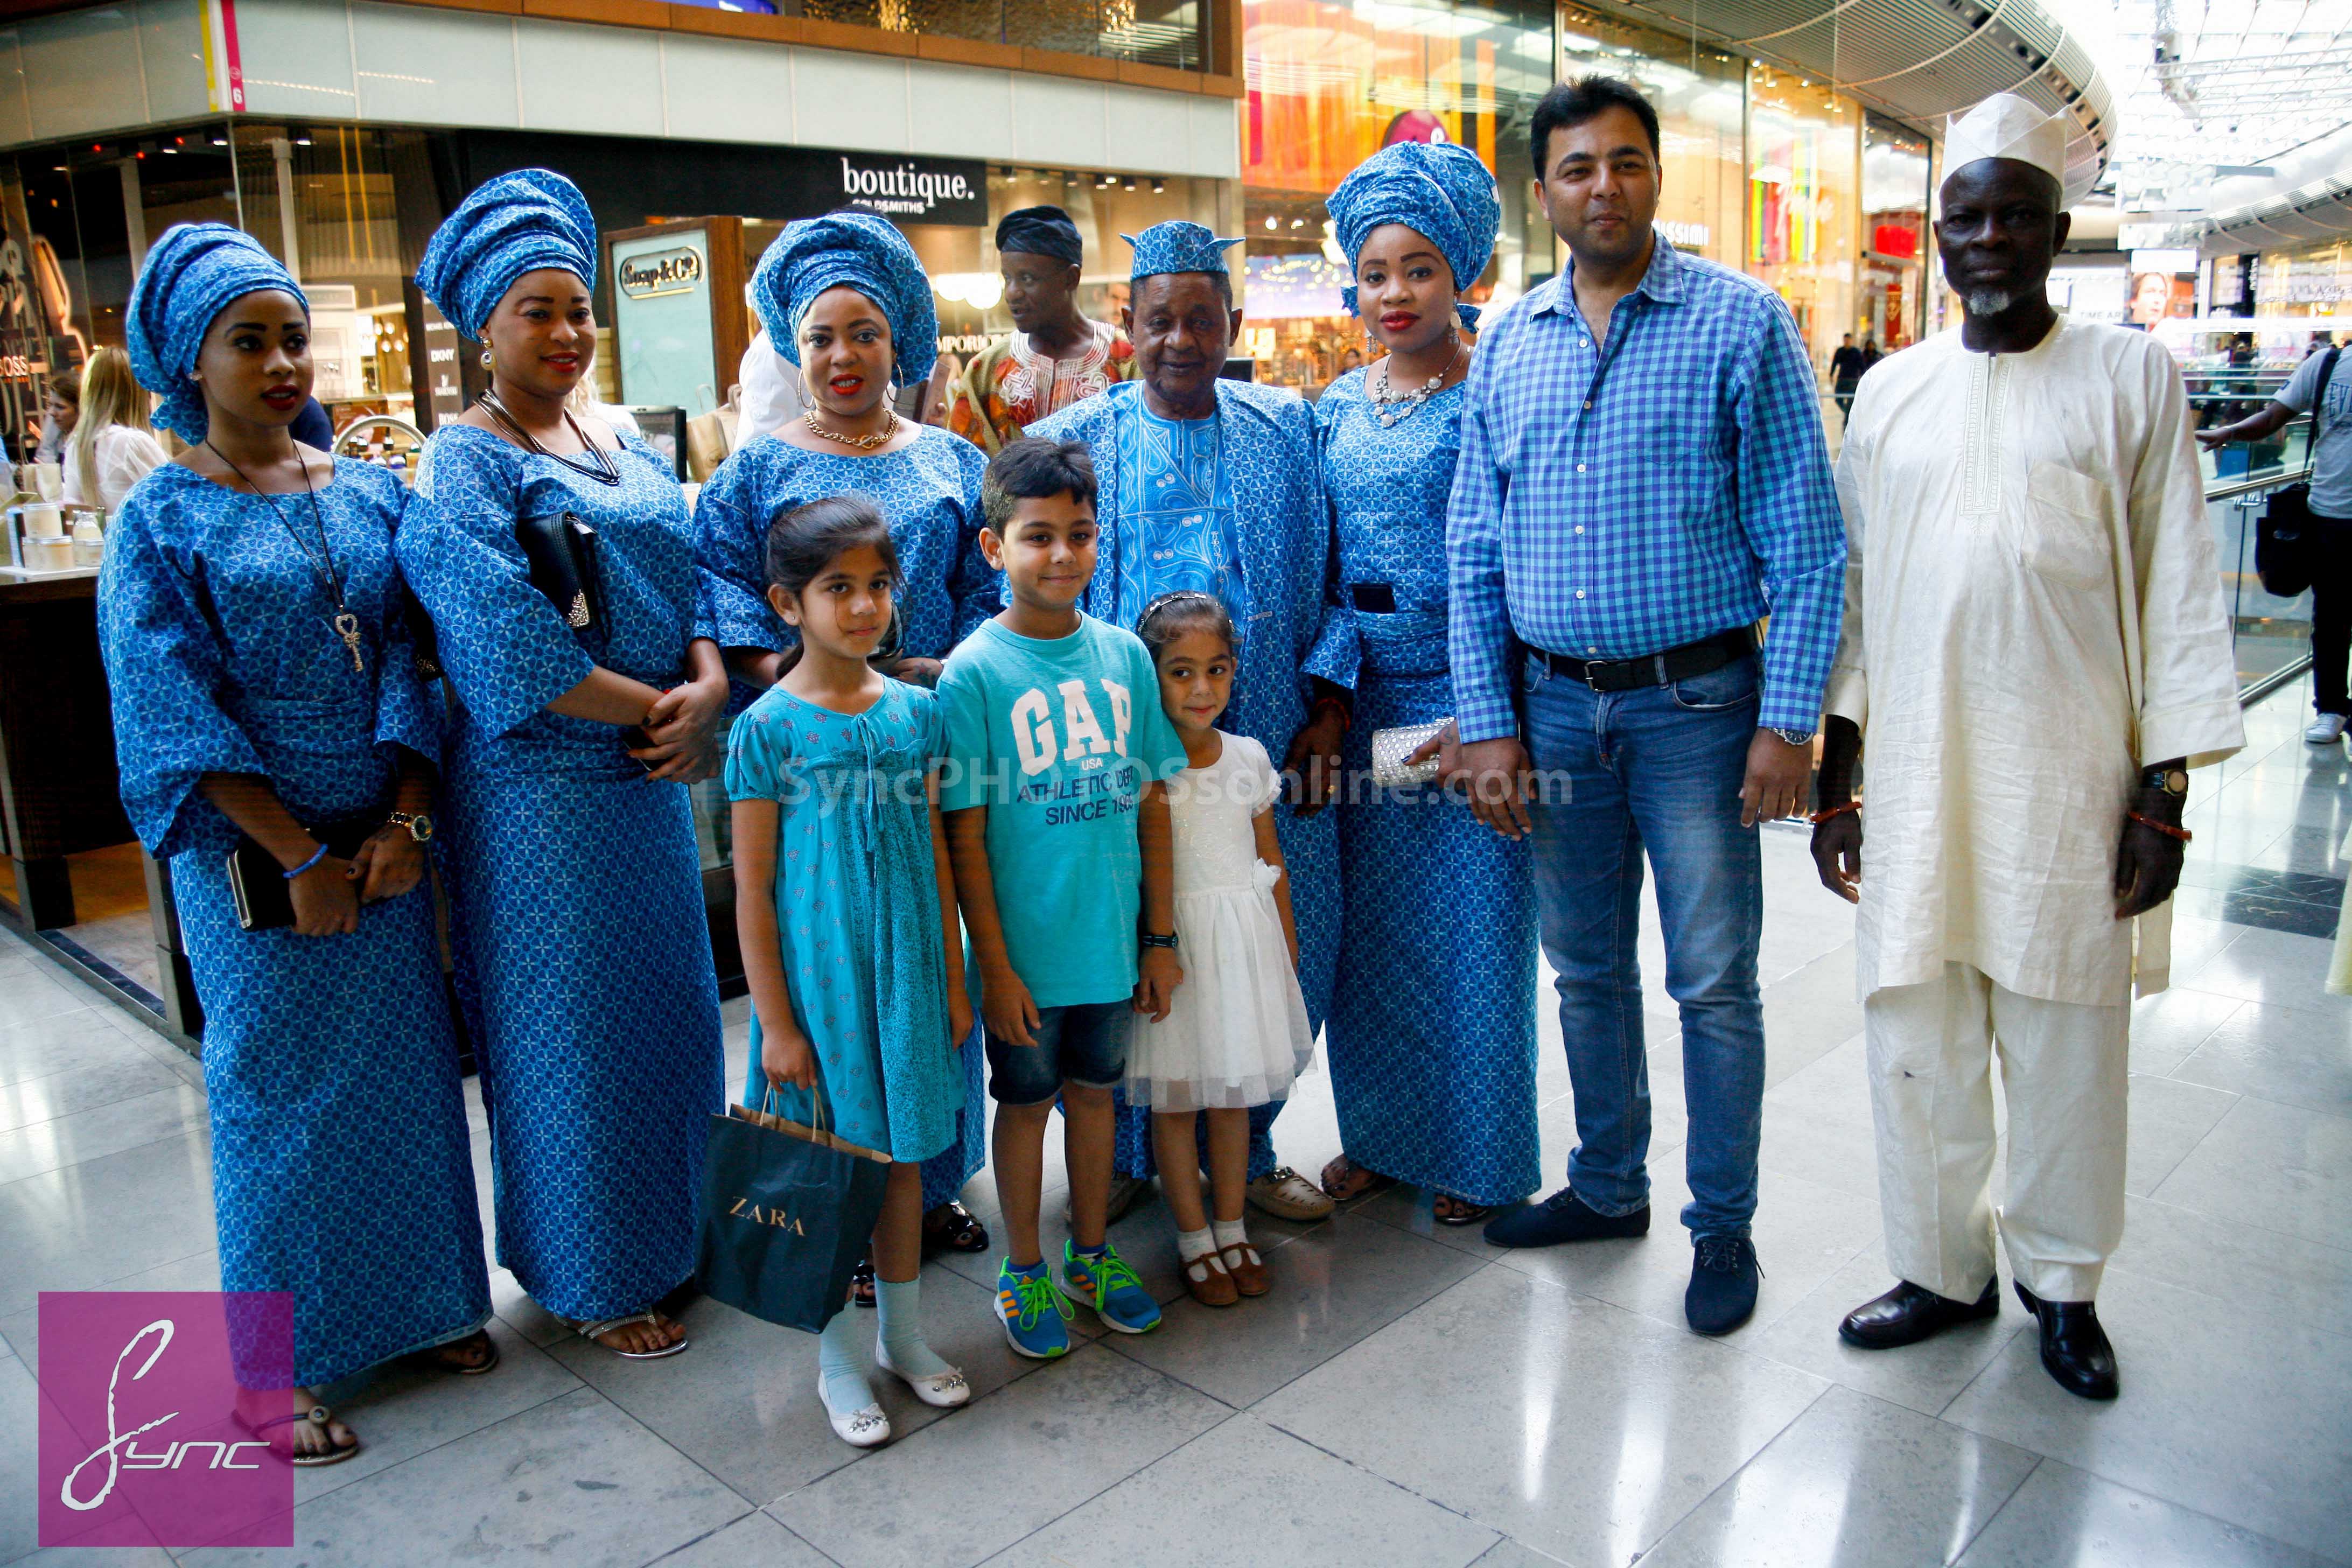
{"points": [[916, 190]]}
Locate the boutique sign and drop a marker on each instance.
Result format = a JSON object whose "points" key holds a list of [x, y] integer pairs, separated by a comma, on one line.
{"points": [[915, 190]]}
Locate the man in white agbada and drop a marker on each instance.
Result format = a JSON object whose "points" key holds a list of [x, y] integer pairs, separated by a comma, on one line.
{"points": [[2034, 650]]}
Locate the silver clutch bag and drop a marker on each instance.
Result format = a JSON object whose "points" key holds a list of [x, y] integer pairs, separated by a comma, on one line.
{"points": [[1391, 747]]}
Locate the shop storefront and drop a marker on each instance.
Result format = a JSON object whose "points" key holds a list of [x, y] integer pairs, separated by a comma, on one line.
{"points": [[2317, 282]]}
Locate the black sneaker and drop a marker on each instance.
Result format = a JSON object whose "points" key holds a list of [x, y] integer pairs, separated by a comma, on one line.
{"points": [[1563, 1216], [1722, 1293]]}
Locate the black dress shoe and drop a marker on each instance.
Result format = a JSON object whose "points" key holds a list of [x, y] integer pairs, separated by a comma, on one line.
{"points": [[2074, 1349], [1563, 1216], [1910, 1313]]}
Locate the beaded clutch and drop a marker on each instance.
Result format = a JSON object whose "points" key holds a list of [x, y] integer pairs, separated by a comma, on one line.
{"points": [[1391, 747]]}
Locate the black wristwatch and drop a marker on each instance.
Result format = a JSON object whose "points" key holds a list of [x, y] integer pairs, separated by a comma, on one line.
{"points": [[2173, 782], [1793, 736], [1153, 939]]}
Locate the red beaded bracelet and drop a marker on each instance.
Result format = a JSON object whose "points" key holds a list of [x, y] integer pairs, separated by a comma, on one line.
{"points": [[1828, 812], [2166, 829]]}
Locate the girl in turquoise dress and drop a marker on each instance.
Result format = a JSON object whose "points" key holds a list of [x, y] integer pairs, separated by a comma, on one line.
{"points": [[845, 908]]}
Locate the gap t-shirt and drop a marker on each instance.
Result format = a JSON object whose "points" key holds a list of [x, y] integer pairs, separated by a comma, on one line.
{"points": [[1057, 737]]}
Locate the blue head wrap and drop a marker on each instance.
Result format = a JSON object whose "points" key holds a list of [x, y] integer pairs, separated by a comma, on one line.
{"points": [[855, 250], [515, 223], [1176, 246], [191, 272], [1439, 190]]}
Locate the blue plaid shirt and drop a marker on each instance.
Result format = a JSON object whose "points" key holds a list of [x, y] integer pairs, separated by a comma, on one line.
{"points": [[1673, 484]]}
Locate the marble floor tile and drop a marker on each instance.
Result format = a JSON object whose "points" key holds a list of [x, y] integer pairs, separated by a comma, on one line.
{"points": [[2228, 1258], [1331, 1287], [1833, 1087], [120, 1213], [1509, 1554], [2168, 1118], [35, 993], [108, 1082], [742, 1401], [70, 1139], [2269, 967], [573, 1481], [198, 1271], [2166, 1027], [2232, 1414], [1820, 1149], [66, 1042], [19, 1459], [1852, 1483], [1243, 1494], [2062, 1518], [1597, 1428], [754, 1541], [1815, 1010], [2278, 1166], [1087, 1423], [2290, 1055], [1804, 1232], [1924, 1377]]}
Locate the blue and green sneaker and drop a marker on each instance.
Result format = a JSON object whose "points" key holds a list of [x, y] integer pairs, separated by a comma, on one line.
{"points": [[1035, 1316], [1104, 1281]]}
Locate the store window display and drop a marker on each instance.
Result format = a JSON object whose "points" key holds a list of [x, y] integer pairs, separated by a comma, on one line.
{"points": [[1804, 154], [1700, 94], [1895, 162]]}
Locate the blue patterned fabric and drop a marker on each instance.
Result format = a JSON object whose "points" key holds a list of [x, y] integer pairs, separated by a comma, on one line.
{"points": [[1176, 246], [1439, 190], [1614, 502], [1181, 535], [929, 493], [1432, 1041], [858, 906], [576, 912], [190, 273], [517, 223], [861, 251], [341, 1170], [1266, 437]]}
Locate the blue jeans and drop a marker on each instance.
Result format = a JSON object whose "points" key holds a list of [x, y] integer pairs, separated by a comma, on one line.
{"points": [[1658, 768]]}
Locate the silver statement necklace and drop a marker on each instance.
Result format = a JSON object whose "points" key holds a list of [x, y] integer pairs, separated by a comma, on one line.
{"points": [[1390, 408]]}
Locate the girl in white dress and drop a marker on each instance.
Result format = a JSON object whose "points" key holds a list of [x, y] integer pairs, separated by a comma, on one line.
{"points": [[1235, 1033]]}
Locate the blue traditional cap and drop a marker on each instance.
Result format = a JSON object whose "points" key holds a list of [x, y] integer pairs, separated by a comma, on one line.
{"points": [[857, 250], [191, 275], [517, 223], [1176, 246], [1439, 190]]}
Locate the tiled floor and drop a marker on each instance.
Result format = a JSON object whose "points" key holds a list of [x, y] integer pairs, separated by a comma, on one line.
{"points": [[1408, 1395]]}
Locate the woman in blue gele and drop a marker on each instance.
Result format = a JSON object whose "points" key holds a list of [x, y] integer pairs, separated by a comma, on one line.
{"points": [[844, 297], [584, 953], [1433, 1039], [266, 695]]}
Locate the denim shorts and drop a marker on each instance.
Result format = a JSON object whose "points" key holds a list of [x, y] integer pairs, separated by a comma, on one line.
{"points": [[1084, 1043]]}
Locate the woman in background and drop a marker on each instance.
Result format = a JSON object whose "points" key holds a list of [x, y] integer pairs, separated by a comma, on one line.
{"points": [[112, 448]]}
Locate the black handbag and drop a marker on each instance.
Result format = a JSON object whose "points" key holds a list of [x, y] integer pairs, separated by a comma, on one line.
{"points": [[787, 1212], [258, 883], [2286, 535], [561, 549]]}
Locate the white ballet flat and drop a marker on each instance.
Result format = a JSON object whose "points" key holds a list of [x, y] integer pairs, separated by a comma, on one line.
{"points": [[946, 1390], [866, 1428]]}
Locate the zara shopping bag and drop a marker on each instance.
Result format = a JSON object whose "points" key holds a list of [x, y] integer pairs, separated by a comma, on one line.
{"points": [[787, 1211]]}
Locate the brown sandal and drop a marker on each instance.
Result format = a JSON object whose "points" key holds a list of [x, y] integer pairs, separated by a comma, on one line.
{"points": [[1206, 1278], [1343, 1179], [1248, 1271]]}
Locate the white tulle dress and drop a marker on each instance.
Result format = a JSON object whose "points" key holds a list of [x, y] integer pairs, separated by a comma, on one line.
{"points": [[1238, 1034]]}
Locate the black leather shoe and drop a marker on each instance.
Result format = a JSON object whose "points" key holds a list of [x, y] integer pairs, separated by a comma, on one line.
{"points": [[2074, 1349], [1722, 1294], [1910, 1313], [1563, 1216]]}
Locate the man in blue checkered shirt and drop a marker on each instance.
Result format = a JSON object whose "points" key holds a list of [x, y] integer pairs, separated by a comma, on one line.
{"points": [[1643, 479]]}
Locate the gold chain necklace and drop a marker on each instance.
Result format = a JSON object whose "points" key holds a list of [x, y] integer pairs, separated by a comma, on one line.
{"points": [[863, 443]]}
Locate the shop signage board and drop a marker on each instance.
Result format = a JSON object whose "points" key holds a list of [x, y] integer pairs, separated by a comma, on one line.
{"points": [[914, 190], [661, 318]]}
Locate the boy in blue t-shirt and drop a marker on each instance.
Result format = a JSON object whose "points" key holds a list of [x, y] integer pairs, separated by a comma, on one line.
{"points": [[1057, 828]]}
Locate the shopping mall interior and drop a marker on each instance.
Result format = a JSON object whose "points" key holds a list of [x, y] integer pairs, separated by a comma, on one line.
{"points": [[1408, 1393]]}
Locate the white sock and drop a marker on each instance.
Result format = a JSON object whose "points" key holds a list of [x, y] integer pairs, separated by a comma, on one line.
{"points": [[1230, 1233], [844, 1384], [1193, 1243], [901, 1329]]}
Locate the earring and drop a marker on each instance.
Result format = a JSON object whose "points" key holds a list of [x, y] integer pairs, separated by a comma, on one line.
{"points": [[486, 358]]}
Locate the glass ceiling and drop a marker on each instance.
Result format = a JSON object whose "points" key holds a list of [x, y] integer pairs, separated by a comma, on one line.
{"points": [[2227, 82]]}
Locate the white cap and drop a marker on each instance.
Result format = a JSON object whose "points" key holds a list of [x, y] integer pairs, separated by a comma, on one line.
{"points": [[2006, 126]]}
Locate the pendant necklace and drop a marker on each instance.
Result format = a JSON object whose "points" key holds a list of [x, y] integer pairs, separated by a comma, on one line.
{"points": [[346, 624], [863, 443], [1390, 408], [601, 469]]}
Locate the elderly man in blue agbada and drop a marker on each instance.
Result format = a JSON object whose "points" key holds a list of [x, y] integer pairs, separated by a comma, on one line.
{"points": [[1214, 485]]}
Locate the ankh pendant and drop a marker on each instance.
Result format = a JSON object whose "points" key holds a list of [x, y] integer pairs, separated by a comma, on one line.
{"points": [[347, 627]]}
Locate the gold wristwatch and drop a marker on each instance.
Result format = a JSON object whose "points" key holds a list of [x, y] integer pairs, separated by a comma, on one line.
{"points": [[419, 824]]}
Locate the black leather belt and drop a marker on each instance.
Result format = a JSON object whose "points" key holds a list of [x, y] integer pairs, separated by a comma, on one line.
{"points": [[1693, 659]]}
